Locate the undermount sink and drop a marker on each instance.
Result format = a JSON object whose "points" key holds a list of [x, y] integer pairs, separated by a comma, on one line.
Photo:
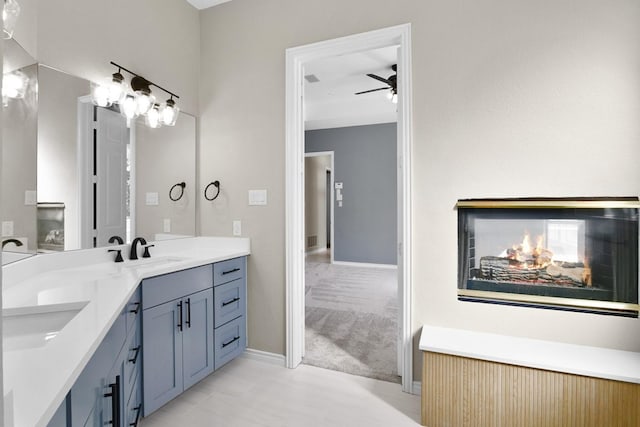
{"points": [[153, 262], [34, 326]]}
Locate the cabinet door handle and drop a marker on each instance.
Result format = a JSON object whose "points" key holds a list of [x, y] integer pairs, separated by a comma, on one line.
{"points": [[188, 312], [230, 271], [135, 357], [135, 310], [180, 316], [115, 402], [231, 301], [138, 409], [230, 342]]}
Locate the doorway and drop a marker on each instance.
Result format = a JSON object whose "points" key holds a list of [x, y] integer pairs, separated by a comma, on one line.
{"points": [[295, 291]]}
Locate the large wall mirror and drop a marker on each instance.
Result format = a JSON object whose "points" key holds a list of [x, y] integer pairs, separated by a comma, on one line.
{"points": [[74, 174]]}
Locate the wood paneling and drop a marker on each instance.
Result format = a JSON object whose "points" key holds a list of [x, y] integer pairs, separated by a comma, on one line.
{"points": [[459, 392]]}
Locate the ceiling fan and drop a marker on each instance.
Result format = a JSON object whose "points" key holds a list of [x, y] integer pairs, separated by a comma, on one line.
{"points": [[391, 83]]}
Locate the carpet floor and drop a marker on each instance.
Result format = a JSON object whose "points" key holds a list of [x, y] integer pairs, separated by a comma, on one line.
{"points": [[351, 319]]}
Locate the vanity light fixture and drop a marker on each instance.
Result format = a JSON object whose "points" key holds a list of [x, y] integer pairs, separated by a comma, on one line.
{"points": [[10, 12], [136, 99]]}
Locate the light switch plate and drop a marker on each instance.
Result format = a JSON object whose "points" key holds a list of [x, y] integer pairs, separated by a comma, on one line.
{"points": [[151, 199], [7, 228], [237, 228], [30, 198], [166, 225], [257, 197]]}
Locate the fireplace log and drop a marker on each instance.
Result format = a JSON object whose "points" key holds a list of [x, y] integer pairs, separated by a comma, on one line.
{"points": [[509, 270]]}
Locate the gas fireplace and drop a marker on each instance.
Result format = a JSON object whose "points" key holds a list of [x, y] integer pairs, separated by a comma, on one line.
{"points": [[567, 254]]}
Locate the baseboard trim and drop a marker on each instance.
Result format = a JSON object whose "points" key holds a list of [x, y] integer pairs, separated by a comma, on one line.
{"points": [[365, 264], [416, 388], [264, 356]]}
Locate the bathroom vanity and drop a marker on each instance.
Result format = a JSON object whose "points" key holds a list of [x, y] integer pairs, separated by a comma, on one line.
{"points": [[77, 323]]}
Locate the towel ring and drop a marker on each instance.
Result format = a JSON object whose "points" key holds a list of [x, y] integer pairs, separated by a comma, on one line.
{"points": [[215, 184], [181, 185]]}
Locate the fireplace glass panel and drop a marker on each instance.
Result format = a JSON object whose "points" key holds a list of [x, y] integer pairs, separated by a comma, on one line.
{"points": [[550, 256]]}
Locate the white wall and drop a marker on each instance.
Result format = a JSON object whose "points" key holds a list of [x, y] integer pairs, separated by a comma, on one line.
{"points": [[159, 39], [511, 98]]}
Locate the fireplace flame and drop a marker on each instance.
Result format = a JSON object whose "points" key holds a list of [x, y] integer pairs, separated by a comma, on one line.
{"points": [[529, 256]]}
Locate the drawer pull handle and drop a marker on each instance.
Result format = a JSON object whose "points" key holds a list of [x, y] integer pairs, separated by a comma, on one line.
{"points": [[138, 410], [135, 310], [135, 357], [180, 316], [230, 342], [230, 301], [188, 312], [230, 271]]}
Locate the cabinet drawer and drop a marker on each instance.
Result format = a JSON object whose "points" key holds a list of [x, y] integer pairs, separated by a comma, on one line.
{"points": [[132, 361], [226, 271], [230, 340], [160, 289], [133, 309], [229, 301]]}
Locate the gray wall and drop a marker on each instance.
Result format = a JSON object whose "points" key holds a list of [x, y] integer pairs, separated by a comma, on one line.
{"points": [[365, 226]]}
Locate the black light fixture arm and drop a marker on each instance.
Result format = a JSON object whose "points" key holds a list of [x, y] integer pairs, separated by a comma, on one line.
{"points": [[149, 82]]}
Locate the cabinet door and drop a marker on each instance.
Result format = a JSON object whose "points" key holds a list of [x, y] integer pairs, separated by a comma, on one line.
{"points": [[197, 338], [162, 354]]}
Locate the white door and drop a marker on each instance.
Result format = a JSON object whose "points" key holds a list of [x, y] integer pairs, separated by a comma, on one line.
{"points": [[110, 182]]}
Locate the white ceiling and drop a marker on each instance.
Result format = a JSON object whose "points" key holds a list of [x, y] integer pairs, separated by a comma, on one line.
{"points": [[332, 102], [203, 4]]}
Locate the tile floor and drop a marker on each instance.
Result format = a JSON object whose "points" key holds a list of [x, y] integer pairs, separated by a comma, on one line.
{"points": [[250, 393]]}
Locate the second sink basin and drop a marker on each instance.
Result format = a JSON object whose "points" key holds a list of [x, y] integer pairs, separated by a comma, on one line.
{"points": [[32, 327]]}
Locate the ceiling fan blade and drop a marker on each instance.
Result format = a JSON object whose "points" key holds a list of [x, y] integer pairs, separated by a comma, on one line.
{"points": [[383, 80], [372, 90]]}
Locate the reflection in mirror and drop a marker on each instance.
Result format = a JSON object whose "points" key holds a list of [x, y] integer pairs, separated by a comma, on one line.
{"points": [[17, 206], [55, 118]]}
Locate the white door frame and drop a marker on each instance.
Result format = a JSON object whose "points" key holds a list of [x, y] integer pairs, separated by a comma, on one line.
{"points": [[295, 61], [331, 154]]}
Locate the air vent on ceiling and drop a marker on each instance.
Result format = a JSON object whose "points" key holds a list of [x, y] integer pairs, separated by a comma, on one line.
{"points": [[311, 78]]}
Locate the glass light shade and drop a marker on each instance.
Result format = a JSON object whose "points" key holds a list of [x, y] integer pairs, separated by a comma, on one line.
{"points": [[394, 98], [10, 13], [14, 84], [144, 102], [153, 117], [169, 113], [100, 95], [128, 107], [117, 88]]}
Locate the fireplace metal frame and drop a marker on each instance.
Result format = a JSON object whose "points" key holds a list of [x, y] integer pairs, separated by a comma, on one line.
{"points": [[550, 302]]}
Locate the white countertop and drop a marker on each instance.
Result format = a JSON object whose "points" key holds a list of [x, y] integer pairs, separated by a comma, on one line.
{"points": [[552, 356], [36, 380]]}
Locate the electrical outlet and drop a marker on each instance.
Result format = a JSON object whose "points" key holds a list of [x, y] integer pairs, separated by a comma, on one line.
{"points": [[237, 228], [166, 225]]}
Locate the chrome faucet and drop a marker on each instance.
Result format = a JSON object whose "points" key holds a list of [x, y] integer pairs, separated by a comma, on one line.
{"points": [[134, 247], [14, 241]]}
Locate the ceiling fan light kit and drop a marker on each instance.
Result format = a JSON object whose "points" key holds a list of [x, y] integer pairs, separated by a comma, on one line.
{"points": [[391, 82], [135, 99]]}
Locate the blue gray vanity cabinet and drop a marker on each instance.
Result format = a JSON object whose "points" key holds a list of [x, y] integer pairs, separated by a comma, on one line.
{"points": [[178, 333], [230, 306], [110, 378]]}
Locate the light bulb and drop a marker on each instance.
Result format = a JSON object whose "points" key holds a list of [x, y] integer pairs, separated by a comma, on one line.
{"points": [[14, 85], [153, 117], [10, 13], [128, 107], [100, 95], [394, 98], [169, 113], [144, 101]]}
